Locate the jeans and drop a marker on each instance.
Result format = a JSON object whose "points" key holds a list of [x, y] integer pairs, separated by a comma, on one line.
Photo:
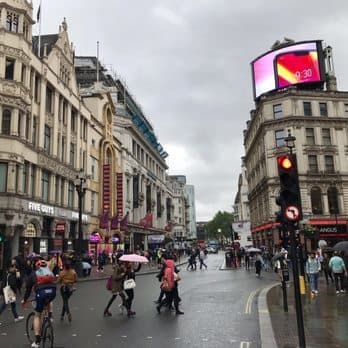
{"points": [[66, 293], [13, 308], [339, 279], [313, 278]]}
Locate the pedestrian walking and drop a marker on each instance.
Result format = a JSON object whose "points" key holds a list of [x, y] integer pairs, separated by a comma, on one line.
{"points": [[202, 257], [101, 262], [117, 286], [258, 264], [8, 291], [339, 270], [312, 270], [66, 278], [168, 286], [247, 261], [326, 268], [130, 274]]}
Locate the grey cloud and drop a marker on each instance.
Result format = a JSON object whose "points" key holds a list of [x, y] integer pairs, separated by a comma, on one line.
{"points": [[187, 63]]}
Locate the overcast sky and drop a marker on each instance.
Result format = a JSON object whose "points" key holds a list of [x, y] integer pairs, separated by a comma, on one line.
{"points": [[187, 62]]}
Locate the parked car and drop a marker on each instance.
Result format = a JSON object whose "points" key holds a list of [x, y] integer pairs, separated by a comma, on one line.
{"points": [[212, 250]]}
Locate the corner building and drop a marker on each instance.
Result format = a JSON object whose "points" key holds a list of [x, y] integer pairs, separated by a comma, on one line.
{"points": [[44, 127], [319, 121]]}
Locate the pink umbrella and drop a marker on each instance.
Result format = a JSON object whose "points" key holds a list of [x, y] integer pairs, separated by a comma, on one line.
{"points": [[134, 258]]}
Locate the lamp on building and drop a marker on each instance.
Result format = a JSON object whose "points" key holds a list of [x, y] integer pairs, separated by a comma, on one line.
{"points": [[290, 141], [81, 186]]}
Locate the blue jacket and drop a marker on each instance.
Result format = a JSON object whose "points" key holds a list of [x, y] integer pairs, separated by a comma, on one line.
{"points": [[337, 265], [312, 266]]}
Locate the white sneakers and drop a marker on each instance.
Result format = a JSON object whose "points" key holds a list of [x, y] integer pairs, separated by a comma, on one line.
{"points": [[35, 345], [18, 319]]}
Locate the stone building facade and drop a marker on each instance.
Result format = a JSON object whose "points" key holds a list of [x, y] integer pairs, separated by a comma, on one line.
{"points": [[44, 127], [319, 121]]}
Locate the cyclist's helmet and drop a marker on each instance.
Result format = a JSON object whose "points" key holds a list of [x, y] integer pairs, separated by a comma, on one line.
{"points": [[41, 263]]}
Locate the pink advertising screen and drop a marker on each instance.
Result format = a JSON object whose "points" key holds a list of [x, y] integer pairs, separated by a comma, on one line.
{"points": [[300, 63]]}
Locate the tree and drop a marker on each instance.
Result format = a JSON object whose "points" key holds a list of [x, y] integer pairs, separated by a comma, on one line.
{"points": [[222, 221]]}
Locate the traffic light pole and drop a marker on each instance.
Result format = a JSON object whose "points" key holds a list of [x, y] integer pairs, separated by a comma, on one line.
{"points": [[298, 302]]}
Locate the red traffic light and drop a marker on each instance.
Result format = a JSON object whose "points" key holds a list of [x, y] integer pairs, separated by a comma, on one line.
{"points": [[285, 162]]}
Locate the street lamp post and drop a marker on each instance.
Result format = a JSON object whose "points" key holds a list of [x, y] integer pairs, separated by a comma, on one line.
{"points": [[80, 185]]}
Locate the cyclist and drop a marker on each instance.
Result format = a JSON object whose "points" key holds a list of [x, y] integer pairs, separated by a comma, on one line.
{"points": [[43, 283]]}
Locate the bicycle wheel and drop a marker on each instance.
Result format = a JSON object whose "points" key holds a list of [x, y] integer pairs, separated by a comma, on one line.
{"points": [[29, 327], [48, 335]]}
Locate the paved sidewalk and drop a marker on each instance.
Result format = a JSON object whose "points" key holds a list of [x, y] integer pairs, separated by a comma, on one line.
{"points": [[325, 318], [145, 269]]}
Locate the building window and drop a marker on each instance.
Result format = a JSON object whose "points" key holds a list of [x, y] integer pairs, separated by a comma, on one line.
{"points": [[92, 202], [332, 197], [279, 137], [316, 201], [307, 108], [93, 143], [19, 124], [47, 139], [57, 189], [25, 177], [323, 109], [45, 184], [17, 179], [135, 191], [73, 120], [313, 164], [134, 148], [85, 123], [329, 164], [325, 132], [277, 111], [6, 122], [33, 180], [94, 169], [9, 69], [71, 194], [63, 148], [72, 154], [34, 131], [62, 191], [27, 126], [12, 22], [3, 177], [23, 73], [49, 100], [346, 110], [310, 140], [37, 88], [159, 205]]}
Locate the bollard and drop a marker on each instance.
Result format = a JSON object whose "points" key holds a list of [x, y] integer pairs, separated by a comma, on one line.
{"points": [[302, 285]]}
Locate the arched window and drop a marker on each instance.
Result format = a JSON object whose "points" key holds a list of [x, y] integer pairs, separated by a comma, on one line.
{"points": [[317, 205], [332, 197], [15, 24], [6, 122], [108, 157], [9, 22]]}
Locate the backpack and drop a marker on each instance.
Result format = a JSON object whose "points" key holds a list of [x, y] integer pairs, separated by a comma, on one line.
{"points": [[108, 284]]}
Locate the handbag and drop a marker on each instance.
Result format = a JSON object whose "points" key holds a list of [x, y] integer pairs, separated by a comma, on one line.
{"points": [[108, 284], [165, 286], [9, 294], [129, 284]]}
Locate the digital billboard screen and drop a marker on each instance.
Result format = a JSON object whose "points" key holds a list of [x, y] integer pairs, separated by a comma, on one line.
{"points": [[300, 63]]}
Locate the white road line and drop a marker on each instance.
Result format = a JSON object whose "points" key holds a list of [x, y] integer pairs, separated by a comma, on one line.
{"points": [[74, 335], [99, 335], [124, 336], [244, 344], [177, 338], [204, 339], [149, 337]]}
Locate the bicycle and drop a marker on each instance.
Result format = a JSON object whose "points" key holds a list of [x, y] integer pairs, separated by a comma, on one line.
{"points": [[46, 332]]}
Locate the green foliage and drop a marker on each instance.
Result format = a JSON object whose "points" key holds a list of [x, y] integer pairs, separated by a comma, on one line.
{"points": [[222, 221]]}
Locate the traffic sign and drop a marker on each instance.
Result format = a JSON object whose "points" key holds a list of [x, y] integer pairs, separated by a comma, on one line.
{"points": [[292, 213]]}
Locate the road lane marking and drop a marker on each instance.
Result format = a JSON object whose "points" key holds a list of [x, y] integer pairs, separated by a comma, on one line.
{"points": [[244, 344], [124, 336], [74, 335], [249, 302], [99, 335], [149, 337]]}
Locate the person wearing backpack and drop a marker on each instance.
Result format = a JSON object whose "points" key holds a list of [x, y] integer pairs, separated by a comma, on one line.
{"points": [[10, 280]]}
